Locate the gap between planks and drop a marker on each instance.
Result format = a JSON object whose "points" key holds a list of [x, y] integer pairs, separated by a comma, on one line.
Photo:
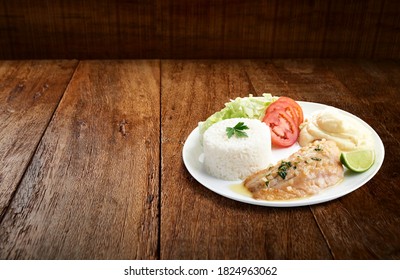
{"points": [[6, 208]]}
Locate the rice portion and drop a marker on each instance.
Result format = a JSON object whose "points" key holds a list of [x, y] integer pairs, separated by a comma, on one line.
{"points": [[236, 158]]}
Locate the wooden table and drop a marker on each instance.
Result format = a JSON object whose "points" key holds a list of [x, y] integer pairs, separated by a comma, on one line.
{"points": [[91, 161]]}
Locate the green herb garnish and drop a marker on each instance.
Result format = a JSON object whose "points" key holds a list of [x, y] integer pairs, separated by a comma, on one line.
{"points": [[285, 165], [316, 159], [318, 148], [237, 130], [282, 173], [282, 169]]}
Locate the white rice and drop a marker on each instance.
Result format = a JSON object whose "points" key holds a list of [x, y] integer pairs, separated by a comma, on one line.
{"points": [[236, 158]]}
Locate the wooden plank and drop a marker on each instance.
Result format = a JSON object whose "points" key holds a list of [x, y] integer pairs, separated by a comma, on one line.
{"points": [[91, 191], [300, 79], [197, 223], [29, 94], [366, 223]]}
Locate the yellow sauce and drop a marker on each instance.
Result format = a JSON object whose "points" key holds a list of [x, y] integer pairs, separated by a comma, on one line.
{"points": [[241, 189], [277, 194]]}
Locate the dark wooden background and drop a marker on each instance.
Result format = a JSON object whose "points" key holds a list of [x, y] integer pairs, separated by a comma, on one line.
{"points": [[100, 29]]}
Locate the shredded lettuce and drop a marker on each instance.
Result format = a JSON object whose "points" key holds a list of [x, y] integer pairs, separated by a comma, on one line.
{"points": [[242, 107]]}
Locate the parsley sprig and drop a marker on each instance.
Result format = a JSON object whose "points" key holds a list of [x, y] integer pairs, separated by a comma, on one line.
{"points": [[237, 130], [283, 168]]}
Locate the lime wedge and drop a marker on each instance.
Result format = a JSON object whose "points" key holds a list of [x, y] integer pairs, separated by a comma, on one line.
{"points": [[358, 161]]}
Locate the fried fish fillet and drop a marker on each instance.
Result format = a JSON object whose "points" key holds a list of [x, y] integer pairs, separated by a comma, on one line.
{"points": [[304, 173]]}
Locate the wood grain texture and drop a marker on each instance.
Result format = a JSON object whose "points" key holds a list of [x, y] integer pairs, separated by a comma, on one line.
{"points": [[197, 223], [199, 29], [99, 174], [78, 29], [29, 94], [366, 223], [91, 190]]}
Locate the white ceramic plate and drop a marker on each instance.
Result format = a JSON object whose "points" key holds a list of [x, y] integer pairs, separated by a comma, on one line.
{"points": [[193, 160]]}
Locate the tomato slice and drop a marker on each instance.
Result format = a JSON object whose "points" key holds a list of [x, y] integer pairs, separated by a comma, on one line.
{"points": [[285, 106], [284, 130], [295, 106]]}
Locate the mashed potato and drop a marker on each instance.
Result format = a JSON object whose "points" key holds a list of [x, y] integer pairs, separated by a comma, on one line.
{"points": [[331, 124]]}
